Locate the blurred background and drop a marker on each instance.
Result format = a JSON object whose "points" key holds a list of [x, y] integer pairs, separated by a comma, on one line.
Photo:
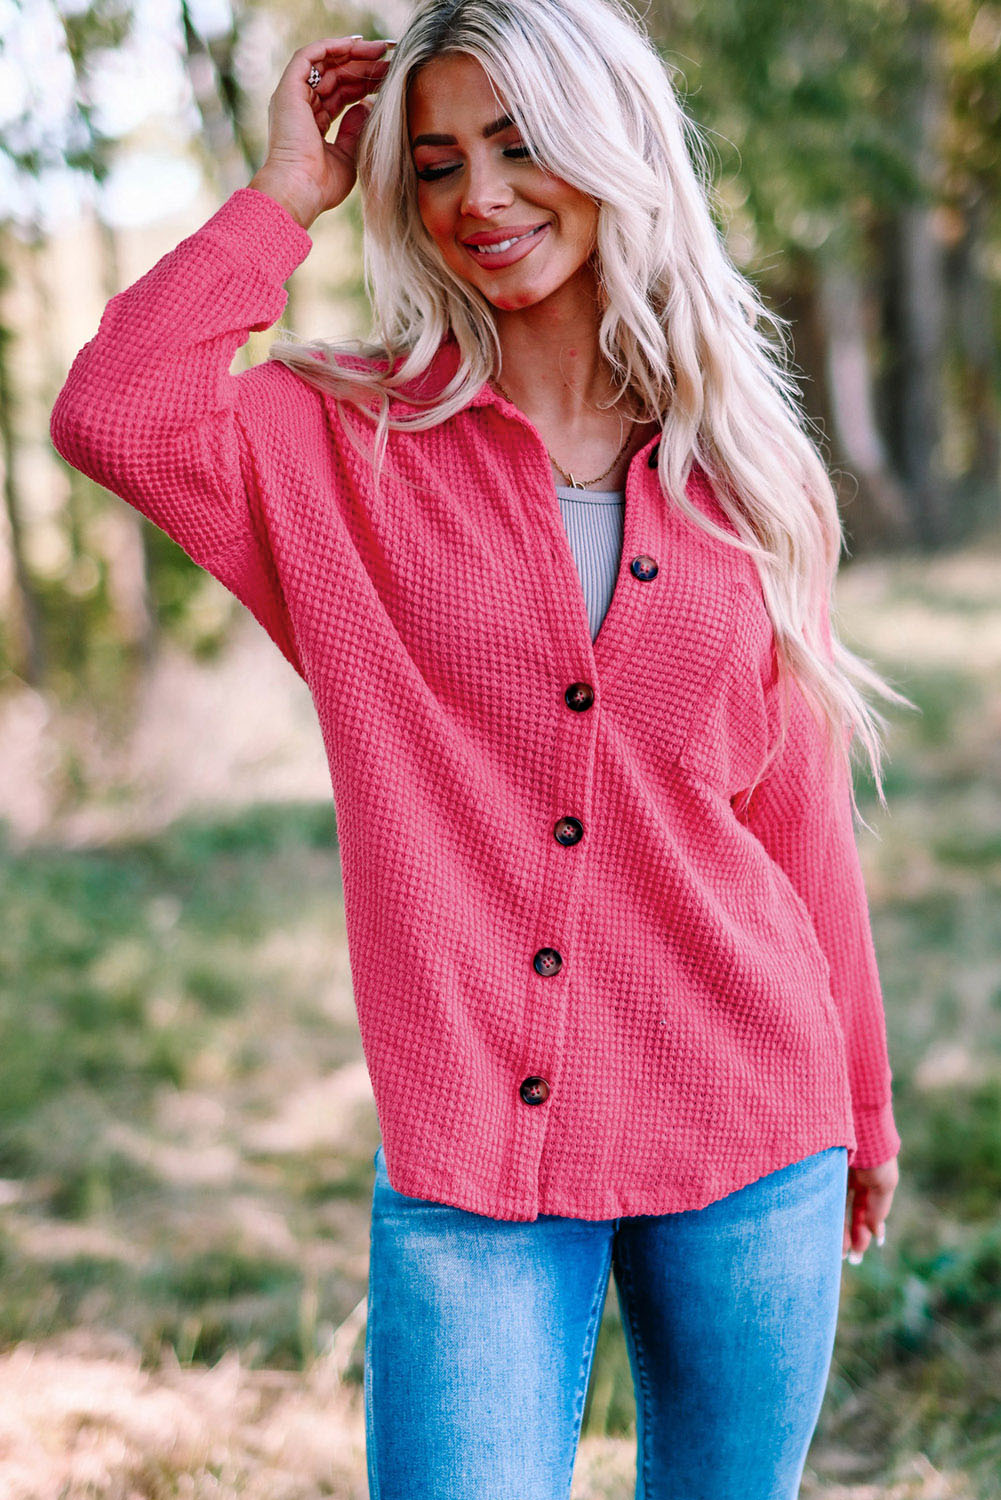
{"points": [[186, 1123]]}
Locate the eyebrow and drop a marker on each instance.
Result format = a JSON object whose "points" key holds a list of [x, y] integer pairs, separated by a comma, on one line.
{"points": [[493, 128]]}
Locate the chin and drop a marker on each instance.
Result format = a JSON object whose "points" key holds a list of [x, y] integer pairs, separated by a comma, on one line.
{"points": [[518, 291], [513, 301]]}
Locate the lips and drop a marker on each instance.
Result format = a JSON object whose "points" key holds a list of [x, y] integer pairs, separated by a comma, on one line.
{"points": [[509, 249], [497, 236]]}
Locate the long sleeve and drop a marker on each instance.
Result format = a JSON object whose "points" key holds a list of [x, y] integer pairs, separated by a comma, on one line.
{"points": [[150, 410], [802, 813]]}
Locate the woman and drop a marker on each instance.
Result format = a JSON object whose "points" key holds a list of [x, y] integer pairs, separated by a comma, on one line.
{"points": [[555, 557]]}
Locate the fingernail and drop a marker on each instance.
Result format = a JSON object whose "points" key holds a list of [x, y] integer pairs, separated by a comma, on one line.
{"points": [[880, 1235], [855, 1258]]}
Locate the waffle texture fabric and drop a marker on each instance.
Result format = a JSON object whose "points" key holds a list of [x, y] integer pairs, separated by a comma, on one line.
{"points": [[585, 984]]}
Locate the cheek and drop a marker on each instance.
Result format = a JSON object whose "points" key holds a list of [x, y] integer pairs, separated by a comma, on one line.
{"points": [[584, 218], [435, 218]]}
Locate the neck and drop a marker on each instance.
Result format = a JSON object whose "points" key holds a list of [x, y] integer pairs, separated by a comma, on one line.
{"points": [[551, 361]]}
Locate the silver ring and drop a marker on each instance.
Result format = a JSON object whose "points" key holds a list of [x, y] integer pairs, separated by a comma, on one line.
{"points": [[314, 76]]}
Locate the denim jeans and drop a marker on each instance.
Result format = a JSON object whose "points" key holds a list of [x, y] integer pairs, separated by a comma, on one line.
{"points": [[481, 1334]]}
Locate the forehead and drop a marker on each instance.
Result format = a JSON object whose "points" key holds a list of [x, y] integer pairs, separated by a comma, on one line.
{"points": [[450, 93]]}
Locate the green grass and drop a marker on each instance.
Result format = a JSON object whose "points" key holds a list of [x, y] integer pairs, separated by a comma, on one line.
{"points": [[133, 974]]}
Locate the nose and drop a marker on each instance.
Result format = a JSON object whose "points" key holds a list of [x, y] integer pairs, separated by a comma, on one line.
{"points": [[486, 189]]}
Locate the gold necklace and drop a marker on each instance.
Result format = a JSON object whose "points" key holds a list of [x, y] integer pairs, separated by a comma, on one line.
{"points": [[576, 484]]}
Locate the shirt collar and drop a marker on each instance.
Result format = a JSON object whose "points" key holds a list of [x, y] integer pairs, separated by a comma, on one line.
{"points": [[444, 363]]}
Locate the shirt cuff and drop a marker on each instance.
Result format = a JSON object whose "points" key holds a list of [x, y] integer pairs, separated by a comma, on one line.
{"points": [[252, 227], [876, 1136]]}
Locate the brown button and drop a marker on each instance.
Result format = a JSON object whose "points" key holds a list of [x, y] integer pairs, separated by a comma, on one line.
{"points": [[568, 831], [644, 568], [579, 696], [547, 962], [534, 1090]]}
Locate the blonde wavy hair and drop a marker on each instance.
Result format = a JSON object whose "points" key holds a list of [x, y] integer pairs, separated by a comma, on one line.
{"points": [[680, 325]]}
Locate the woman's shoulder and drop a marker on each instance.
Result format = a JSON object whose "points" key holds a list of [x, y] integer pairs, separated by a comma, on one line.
{"points": [[380, 359], [380, 364], [310, 378]]}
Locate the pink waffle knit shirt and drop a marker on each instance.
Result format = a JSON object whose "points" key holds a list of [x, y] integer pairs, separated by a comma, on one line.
{"points": [[585, 983]]}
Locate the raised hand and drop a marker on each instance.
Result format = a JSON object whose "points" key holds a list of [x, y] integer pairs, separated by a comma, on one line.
{"points": [[303, 170]]}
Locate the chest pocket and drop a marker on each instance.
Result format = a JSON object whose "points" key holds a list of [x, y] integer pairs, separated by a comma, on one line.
{"points": [[728, 738]]}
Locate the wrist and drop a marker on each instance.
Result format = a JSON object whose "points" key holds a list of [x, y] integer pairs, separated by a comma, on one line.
{"points": [[296, 201]]}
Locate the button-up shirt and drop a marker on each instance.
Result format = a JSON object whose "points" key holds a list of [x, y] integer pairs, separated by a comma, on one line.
{"points": [[588, 980]]}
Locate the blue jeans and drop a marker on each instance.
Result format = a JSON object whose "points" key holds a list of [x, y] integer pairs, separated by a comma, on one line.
{"points": [[481, 1334]]}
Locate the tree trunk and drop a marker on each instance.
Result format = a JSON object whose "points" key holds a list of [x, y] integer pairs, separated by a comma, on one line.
{"points": [[217, 98], [850, 394], [73, 644], [28, 653], [920, 264], [980, 367], [126, 551]]}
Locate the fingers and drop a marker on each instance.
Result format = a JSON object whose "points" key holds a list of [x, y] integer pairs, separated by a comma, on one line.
{"points": [[349, 69], [858, 1232], [865, 1219], [330, 69], [340, 48], [333, 55], [350, 129], [325, 111], [339, 56], [336, 89], [345, 78]]}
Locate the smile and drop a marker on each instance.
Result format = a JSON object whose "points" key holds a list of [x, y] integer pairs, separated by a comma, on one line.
{"points": [[507, 251]]}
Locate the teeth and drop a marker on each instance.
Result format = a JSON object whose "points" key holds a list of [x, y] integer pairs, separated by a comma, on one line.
{"points": [[502, 246]]}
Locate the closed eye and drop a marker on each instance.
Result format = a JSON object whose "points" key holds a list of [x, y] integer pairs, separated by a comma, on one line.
{"points": [[432, 174]]}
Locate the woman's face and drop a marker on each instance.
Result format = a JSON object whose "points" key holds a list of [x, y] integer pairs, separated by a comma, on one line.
{"points": [[472, 183]]}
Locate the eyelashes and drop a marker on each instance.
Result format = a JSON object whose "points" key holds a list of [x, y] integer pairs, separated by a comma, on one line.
{"points": [[432, 174]]}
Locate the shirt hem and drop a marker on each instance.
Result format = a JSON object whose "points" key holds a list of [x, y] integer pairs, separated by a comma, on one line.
{"points": [[614, 1204]]}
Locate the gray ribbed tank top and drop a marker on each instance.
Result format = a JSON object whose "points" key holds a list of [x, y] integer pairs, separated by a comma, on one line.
{"points": [[593, 521]]}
